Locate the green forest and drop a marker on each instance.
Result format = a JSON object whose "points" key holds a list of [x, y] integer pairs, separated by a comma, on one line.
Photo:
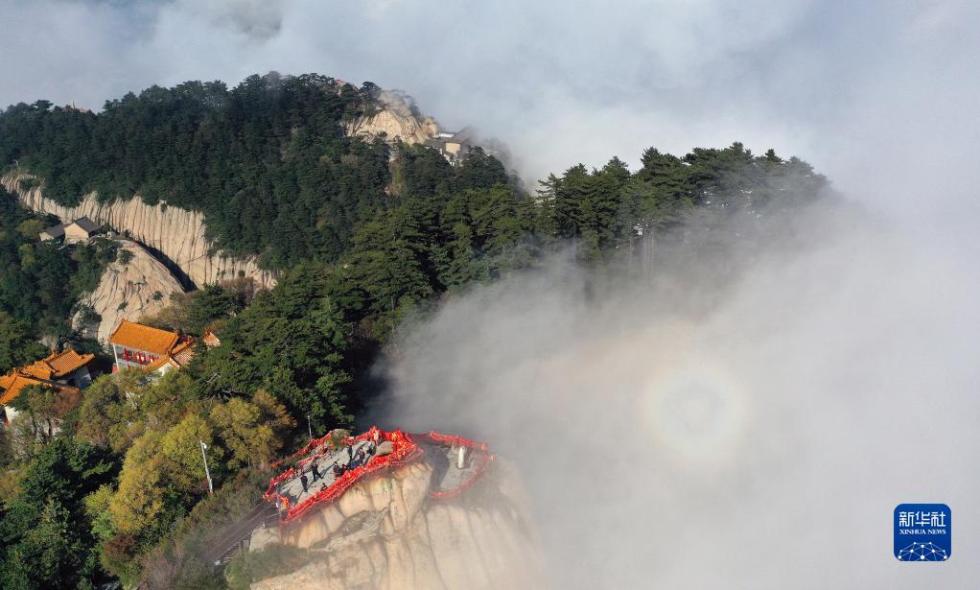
{"points": [[363, 235], [40, 283]]}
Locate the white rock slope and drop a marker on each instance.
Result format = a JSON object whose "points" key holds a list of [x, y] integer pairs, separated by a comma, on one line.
{"points": [[178, 233], [385, 534], [128, 290], [399, 119]]}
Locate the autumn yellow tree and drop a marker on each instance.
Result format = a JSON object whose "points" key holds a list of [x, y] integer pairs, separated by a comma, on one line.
{"points": [[252, 430], [140, 497], [180, 449], [106, 417]]}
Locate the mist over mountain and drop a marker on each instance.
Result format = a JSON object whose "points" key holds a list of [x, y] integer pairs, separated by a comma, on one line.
{"points": [[350, 216], [704, 275], [867, 93]]}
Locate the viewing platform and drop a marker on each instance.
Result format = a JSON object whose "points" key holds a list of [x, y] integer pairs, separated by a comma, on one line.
{"points": [[327, 467]]}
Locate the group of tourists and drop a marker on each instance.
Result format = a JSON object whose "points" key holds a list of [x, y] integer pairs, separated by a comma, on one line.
{"points": [[354, 460]]}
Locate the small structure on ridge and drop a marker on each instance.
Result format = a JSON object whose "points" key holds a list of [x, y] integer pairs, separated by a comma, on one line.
{"points": [[79, 230]]}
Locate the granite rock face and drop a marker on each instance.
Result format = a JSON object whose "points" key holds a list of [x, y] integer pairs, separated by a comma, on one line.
{"points": [[176, 233], [387, 534], [128, 290], [397, 120]]}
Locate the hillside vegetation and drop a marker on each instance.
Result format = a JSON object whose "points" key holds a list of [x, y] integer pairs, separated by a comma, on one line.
{"points": [[267, 161], [364, 235], [40, 283]]}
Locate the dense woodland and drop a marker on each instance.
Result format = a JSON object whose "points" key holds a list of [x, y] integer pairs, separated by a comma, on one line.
{"points": [[40, 283], [363, 236]]}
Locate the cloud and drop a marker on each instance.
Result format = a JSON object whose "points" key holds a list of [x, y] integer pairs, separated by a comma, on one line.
{"points": [[866, 92], [754, 428], [758, 436]]}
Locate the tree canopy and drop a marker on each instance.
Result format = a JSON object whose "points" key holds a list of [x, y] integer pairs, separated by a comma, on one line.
{"points": [[40, 282], [363, 234]]}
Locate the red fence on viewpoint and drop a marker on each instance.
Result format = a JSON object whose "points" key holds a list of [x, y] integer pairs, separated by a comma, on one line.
{"points": [[484, 459], [405, 450]]}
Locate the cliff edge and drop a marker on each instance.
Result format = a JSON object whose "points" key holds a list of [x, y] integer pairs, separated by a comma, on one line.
{"points": [[176, 233], [134, 285], [398, 119], [387, 533]]}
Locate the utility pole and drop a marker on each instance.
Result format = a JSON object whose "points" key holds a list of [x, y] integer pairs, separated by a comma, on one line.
{"points": [[207, 472], [309, 426]]}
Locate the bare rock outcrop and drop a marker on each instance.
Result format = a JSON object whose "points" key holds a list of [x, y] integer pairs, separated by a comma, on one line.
{"points": [[177, 233], [136, 284], [398, 119], [386, 534]]}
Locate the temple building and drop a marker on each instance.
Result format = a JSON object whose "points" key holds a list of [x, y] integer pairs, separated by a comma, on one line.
{"points": [[81, 230], [66, 372], [136, 345], [454, 146], [55, 232]]}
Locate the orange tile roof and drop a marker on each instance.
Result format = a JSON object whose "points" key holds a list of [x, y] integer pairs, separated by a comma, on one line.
{"points": [[57, 365], [140, 337], [14, 383], [159, 362], [38, 369], [67, 362], [179, 357], [170, 347], [53, 366]]}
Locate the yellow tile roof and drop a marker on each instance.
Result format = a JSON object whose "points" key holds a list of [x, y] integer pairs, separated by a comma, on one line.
{"points": [[57, 365], [159, 362], [67, 362], [179, 357], [38, 369], [14, 383], [54, 366], [154, 340]]}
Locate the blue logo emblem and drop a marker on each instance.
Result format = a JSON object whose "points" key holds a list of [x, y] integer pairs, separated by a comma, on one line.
{"points": [[923, 532]]}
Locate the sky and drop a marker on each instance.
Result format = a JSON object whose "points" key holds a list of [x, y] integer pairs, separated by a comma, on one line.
{"points": [[759, 440], [865, 91]]}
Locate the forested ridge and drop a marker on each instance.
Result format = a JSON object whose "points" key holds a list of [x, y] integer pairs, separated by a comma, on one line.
{"points": [[364, 235], [40, 283], [265, 161]]}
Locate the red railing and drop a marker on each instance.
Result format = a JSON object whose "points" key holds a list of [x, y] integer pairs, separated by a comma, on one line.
{"points": [[484, 458], [405, 451]]}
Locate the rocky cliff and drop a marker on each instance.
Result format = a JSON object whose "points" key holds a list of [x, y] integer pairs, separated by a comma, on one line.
{"points": [[387, 534], [178, 234], [398, 119], [136, 284]]}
